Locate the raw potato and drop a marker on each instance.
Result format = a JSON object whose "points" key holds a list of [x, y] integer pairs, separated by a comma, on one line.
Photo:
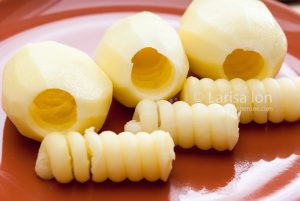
{"points": [[105, 156], [232, 39], [143, 56], [50, 87], [257, 100], [212, 126]]}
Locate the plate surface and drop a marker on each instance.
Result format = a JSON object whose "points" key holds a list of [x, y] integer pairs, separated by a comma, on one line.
{"points": [[265, 164]]}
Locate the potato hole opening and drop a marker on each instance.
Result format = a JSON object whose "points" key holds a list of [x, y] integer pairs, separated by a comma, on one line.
{"points": [[244, 64], [54, 109], [151, 71]]}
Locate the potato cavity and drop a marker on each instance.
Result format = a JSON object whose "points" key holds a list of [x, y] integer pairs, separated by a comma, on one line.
{"points": [[243, 64], [54, 109], [151, 71]]}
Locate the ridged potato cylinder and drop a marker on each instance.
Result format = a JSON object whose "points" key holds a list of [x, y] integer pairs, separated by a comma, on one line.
{"points": [[273, 100], [206, 127], [48, 86], [143, 56], [232, 39], [105, 156]]}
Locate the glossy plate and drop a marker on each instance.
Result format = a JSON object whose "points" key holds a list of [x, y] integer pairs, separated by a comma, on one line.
{"points": [[265, 165]]}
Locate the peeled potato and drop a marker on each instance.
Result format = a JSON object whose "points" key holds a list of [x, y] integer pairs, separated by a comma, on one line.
{"points": [[205, 126], [232, 39], [256, 100], [143, 56], [50, 87], [106, 156]]}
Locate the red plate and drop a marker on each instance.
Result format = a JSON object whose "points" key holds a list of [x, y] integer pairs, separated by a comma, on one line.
{"points": [[264, 165]]}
